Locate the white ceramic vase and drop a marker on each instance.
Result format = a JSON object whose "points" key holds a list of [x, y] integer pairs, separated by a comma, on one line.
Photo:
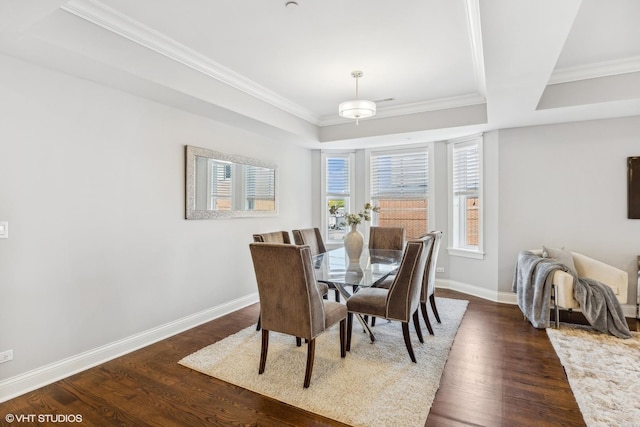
{"points": [[353, 244]]}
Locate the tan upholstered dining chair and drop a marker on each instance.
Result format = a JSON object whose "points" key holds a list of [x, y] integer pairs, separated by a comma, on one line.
{"points": [[429, 281], [312, 238], [273, 237], [401, 301], [290, 300], [280, 237], [386, 238], [391, 238]]}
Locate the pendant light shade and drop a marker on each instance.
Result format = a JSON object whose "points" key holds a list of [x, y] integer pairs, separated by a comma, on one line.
{"points": [[357, 108]]}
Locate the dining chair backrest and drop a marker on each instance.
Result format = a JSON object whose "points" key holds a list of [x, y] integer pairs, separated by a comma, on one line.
{"points": [[310, 237], [290, 301], [403, 298], [386, 238], [429, 279], [273, 237]]}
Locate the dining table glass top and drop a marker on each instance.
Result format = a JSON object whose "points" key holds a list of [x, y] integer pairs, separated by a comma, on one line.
{"points": [[374, 265]]}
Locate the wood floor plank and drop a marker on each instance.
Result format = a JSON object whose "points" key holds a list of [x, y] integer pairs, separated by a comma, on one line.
{"points": [[501, 371]]}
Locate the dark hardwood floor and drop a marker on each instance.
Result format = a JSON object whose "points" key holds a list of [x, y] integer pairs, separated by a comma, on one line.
{"points": [[500, 372]]}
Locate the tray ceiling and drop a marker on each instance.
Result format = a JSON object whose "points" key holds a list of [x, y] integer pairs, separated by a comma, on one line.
{"points": [[437, 69]]}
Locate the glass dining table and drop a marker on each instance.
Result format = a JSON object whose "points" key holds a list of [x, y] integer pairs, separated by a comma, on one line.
{"points": [[374, 266]]}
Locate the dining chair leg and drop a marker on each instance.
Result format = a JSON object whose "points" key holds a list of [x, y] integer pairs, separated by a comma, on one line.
{"points": [[298, 341], [337, 293], [343, 337], [349, 328], [311, 351], [263, 351], [432, 300], [373, 321], [416, 325], [258, 326], [366, 318], [423, 306], [407, 341]]}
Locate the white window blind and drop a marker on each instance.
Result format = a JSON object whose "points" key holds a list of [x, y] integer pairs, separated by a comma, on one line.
{"points": [[220, 179], [400, 175], [259, 183], [466, 169], [338, 176]]}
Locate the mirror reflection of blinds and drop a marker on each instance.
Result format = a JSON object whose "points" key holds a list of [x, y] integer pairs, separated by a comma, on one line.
{"points": [[260, 183], [466, 169], [220, 179], [338, 176], [402, 175]]}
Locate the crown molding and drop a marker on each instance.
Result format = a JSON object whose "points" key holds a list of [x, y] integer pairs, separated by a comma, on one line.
{"points": [[117, 23], [416, 107], [103, 16], [475, 39], [595, 70]]}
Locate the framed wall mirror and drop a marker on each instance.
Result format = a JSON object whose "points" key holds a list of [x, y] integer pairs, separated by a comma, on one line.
{"points": [[633, 187], [220, 185]]}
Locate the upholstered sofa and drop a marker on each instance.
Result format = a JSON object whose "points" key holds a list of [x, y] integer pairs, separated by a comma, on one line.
{"points": [[617, 279]]}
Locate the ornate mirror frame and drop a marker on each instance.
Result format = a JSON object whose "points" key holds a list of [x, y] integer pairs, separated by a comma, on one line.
{"points": [[192, 212]]}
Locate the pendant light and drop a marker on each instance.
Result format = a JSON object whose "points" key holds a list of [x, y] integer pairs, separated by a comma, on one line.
{"points": [[357, 108]]}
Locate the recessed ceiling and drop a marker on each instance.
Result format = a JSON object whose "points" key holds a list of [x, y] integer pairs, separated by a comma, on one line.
{"points": [[438, 69]]}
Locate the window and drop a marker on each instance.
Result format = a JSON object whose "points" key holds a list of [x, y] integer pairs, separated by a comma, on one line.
{"points": [[399, 185], [465, 183], [338, 181], [220, 185], [260, 188]]}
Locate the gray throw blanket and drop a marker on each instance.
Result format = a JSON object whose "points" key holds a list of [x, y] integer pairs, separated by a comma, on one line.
{"points": [[532, 284], [601, 307]]}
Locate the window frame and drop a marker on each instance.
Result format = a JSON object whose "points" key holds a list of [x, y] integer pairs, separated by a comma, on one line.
{"points": [[213, 196], [457, 211], [324, 218], [421, 147]]}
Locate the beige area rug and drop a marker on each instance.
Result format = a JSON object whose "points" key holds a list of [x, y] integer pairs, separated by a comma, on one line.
{"points": [[604, 373], [374, 385]]}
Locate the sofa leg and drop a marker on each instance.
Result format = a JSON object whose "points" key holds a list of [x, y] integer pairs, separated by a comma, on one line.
{"points": [[554, 290]]}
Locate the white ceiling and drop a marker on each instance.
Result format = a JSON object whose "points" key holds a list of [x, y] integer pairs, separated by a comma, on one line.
{"points": [[443, 68]]}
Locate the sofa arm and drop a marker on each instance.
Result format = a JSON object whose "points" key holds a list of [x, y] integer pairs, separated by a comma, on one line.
{"points": [[611, 276], [564, 290], [616, 279]]}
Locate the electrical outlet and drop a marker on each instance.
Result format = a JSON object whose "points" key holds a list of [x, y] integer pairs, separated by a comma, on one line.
{"points": [[6, 356], [439, 269]]}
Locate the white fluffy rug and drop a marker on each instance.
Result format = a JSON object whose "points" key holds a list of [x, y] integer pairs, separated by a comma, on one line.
{"points": [[604, 374], [374, 385]]}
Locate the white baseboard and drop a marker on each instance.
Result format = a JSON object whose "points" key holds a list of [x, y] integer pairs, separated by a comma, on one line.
{"points": [[476, 291], [24, 383], [504, 297]]}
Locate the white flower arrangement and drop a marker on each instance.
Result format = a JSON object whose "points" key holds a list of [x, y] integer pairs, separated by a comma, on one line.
{"points": [[365, 214]]}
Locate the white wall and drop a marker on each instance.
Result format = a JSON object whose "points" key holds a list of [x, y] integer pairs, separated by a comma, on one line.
{"points": [[92, 184], [565, 186]]}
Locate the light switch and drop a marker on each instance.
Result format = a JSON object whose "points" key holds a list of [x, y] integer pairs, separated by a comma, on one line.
{"points": [[4, 229]]}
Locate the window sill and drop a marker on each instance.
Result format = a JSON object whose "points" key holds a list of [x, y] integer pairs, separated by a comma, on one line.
{"points": [[466, 253]]}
